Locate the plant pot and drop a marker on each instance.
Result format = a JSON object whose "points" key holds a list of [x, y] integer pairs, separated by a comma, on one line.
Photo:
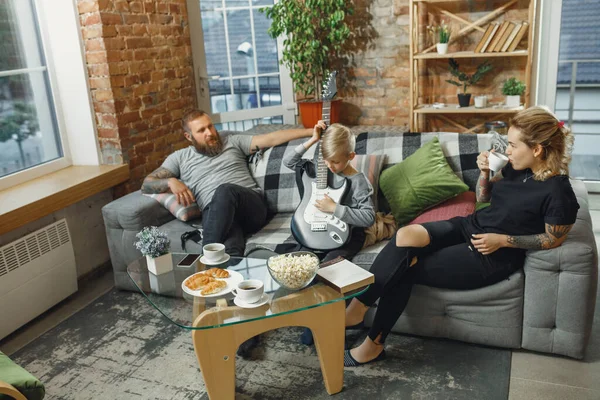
{"points": [[464, 99], [160, 265], [165, 284], [312, 111], [480, 101], [442, 48], [513, 101]]}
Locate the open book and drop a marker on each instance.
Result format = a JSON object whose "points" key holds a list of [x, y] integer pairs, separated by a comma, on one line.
{"points": [[344, 275]]}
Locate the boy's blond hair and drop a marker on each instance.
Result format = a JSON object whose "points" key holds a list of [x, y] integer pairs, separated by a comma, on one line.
{"points": [[337, 140]]}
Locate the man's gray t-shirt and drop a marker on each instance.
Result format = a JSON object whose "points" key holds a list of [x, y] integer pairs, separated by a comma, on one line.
{"points": [[203, 174]]}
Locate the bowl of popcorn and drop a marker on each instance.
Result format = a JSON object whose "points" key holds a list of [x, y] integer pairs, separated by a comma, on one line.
{"points": [[295, 270]]}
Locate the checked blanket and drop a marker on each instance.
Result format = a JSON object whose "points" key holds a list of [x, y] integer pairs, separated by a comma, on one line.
{"points": [[279, 184]]}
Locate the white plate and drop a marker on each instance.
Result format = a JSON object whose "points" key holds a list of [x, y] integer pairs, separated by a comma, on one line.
{"points": [[232, 282], [225, 258], [263, 300]]}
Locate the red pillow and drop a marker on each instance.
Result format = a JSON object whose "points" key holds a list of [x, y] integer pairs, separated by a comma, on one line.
{"points": [[459, 206]]}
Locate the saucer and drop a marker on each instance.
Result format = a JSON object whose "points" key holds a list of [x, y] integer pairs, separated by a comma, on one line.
{"points": [[204, 261], [263, 300]]}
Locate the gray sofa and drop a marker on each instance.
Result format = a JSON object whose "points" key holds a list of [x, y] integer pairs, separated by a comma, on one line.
{"points": [[548, 306]]}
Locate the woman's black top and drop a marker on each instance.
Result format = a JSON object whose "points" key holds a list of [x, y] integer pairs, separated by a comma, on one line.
{"points": [[520, 205]]}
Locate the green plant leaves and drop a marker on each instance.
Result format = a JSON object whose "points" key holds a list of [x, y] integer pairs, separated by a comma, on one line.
{"points": [[513, 87], [315, 31]]}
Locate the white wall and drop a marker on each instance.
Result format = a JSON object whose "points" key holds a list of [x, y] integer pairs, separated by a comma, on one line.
{"points": [[86, 227]]}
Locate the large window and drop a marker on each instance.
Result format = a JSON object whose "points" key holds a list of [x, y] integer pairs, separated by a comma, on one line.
{"points": [[29, 134]]}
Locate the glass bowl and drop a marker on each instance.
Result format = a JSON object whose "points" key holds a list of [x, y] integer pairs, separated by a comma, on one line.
{"points": [[289, 272]]}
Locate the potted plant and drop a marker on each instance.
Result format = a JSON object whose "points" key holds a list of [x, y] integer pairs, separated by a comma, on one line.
{"points": [[441, 36], [155, 245], [513, 89], [466, 80], [314, 33]]}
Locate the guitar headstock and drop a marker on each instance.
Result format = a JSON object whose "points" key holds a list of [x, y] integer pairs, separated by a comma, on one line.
{"points": [[329, 87]]}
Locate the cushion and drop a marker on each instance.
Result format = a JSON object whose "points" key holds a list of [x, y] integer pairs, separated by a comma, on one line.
{"points": [[421, 181], [479, 205], [22, 380], [461, 150], [370, 166], [182, 213], [459, 206]]}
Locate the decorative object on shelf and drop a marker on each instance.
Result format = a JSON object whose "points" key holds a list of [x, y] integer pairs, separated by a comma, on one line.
{"points": [[155, 245], [513, 89], [465, 80], [441, 36], [497, 126], [314, 34], [480, 101]]}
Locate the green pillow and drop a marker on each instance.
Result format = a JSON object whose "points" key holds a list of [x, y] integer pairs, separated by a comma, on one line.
{"points": [[421, 181], [22, 380]]}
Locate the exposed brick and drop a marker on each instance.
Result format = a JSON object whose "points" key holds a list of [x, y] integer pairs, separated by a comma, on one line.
{"points": [[107, 121], [108, 133], [135, 19], [100, 83], [137, 43], [90, 19], [92, 31], [111, 18], [87, 6], [102, 95]]}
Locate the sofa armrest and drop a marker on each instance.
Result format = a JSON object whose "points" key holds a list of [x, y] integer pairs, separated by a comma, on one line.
{"points": [[560, 289], [123, 219], [135, 211]]}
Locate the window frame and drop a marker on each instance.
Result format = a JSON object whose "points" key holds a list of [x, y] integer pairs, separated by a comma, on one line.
{"points": [[62, 46]]}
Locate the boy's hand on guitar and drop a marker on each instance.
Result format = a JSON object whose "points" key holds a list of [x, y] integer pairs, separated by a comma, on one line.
{"points": [[326, 204], [318, 129]]}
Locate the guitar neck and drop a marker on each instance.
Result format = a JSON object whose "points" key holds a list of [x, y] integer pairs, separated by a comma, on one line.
{"points": [[321, 166]]}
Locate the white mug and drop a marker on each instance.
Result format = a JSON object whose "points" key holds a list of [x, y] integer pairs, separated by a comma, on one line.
{"points": [[214, 251], [249, 291], [497, 161]]}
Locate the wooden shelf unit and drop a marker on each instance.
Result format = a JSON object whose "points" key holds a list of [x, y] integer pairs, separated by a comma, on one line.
{"points": [[418, 112]]}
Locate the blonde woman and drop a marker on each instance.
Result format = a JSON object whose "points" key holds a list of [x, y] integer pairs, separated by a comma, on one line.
{"points": [[532, 207]]}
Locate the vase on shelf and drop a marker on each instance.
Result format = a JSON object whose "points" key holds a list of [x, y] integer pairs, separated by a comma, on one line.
{"points": [[464, 99], [480, 101], [513, 101], [160, 265], [442, 48]]}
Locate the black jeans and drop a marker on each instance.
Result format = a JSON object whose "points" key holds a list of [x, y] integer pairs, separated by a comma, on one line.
{"points": [[233, 212], [447, 262]]}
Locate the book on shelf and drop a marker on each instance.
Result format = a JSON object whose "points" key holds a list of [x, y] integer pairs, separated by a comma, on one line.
{"points": [[507, 32], [344, 275], [484, 38], [497, 36], [517, 39], [490, 37], [512, 36]]}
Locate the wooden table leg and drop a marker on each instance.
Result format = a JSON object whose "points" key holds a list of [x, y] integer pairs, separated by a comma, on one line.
{"points": [[215, 350], [329, 335]]}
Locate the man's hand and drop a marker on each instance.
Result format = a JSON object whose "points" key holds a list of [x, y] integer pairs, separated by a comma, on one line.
{"points": [[326, 204], [182, 192], [487, 243]]}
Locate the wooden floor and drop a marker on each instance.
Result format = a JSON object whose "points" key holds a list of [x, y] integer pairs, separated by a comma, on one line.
{"points": [[585, 166]]}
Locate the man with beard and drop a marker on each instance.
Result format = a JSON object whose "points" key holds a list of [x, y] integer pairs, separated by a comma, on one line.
{"points": [[214, 173]]}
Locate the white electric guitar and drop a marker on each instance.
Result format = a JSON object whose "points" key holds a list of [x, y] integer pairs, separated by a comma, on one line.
{"points": [[313, 228]]}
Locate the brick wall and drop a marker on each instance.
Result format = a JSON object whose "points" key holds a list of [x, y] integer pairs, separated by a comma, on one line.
{"points": [[138, 56], [382, 75]]}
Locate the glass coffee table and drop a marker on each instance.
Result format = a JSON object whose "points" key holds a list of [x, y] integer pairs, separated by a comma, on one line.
{"points": [[218, 326]]}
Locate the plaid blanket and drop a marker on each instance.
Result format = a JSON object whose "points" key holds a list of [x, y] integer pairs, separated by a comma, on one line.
{"points": [[282, 195]]}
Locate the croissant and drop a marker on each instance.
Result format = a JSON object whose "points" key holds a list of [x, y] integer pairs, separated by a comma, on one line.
{"points": [[218, 273], [196, 282], [213, 287]]}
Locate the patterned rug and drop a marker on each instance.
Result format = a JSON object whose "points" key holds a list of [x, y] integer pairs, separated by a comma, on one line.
{"points": [[119, 347]]}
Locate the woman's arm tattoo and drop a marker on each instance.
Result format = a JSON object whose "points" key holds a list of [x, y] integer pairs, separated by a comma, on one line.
{"points": [[553, 237], [483, 191], [157, 181]]}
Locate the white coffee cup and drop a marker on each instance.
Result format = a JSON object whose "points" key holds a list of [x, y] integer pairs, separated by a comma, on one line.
{"points": [[497, 161], [249, 291], [214, 252]]}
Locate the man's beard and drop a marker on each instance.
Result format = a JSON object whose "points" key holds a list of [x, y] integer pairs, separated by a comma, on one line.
{"points": [[207, 150]]}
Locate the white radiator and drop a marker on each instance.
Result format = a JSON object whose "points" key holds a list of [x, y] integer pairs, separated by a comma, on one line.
{"points": [[36, 272]]}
